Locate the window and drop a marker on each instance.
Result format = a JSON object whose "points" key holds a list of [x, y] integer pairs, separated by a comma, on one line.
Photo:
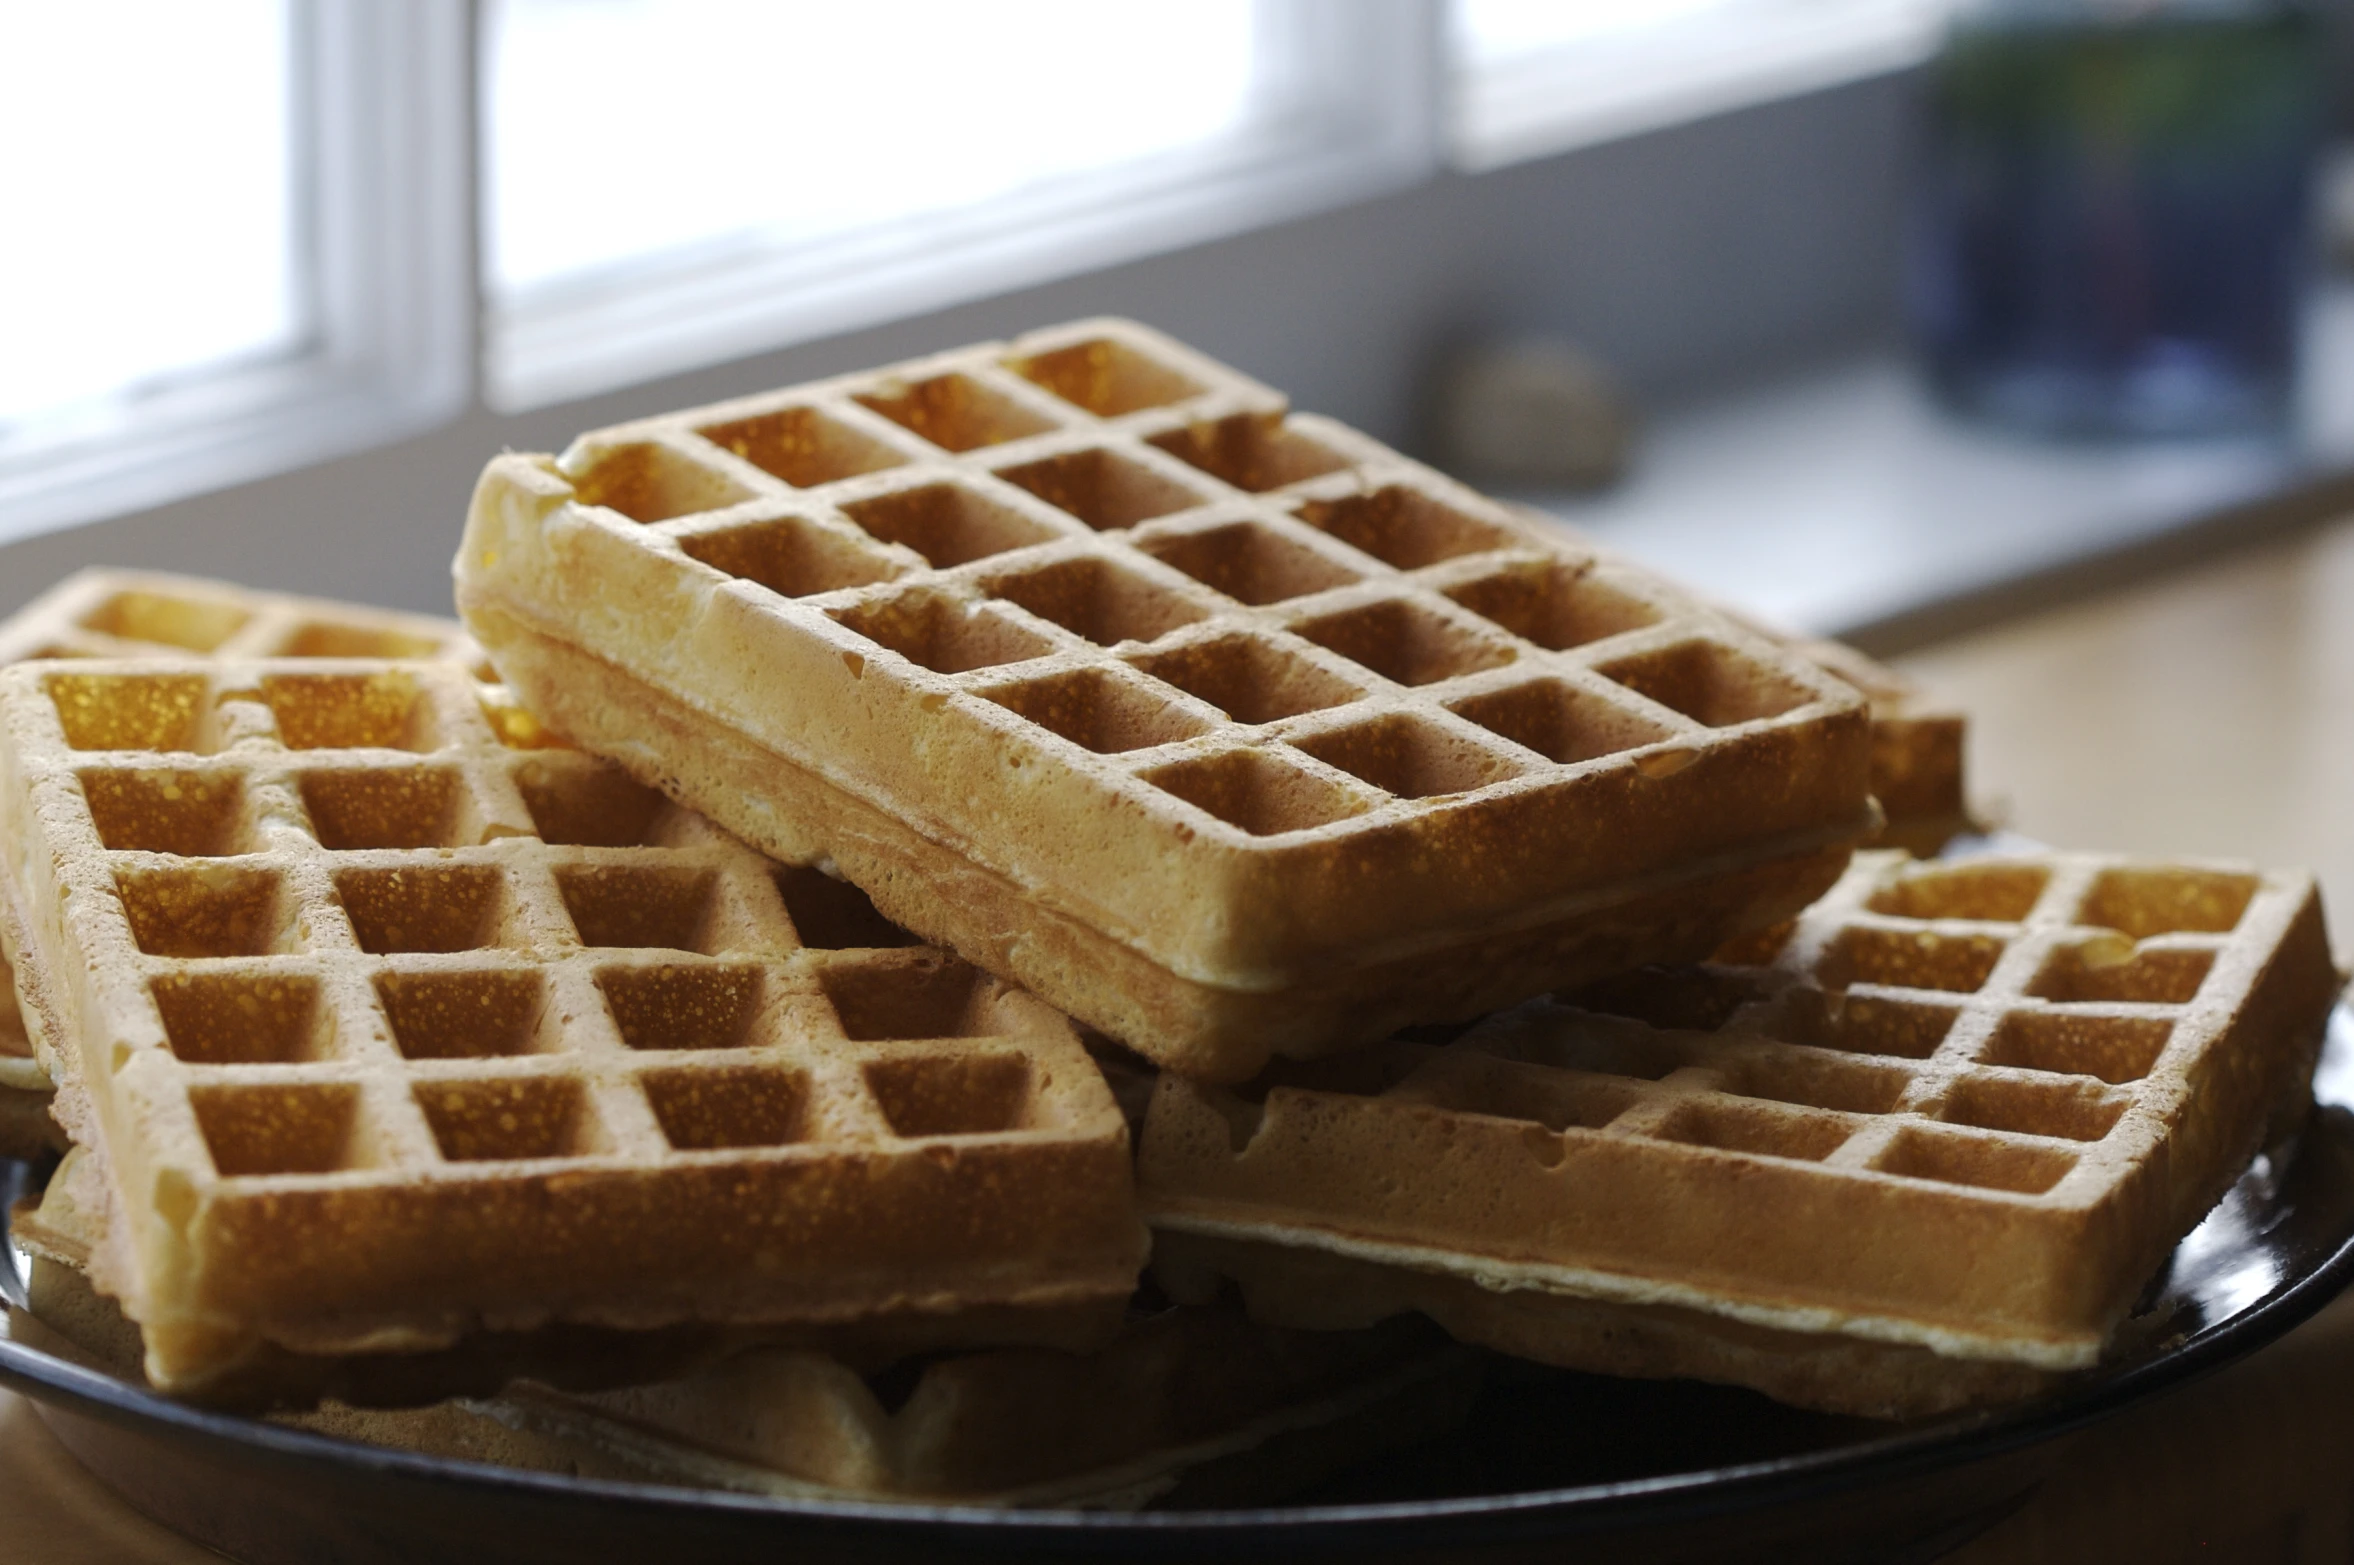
{"points": [[234, 247], [671, 182], [1537, 77], [266, 232]]}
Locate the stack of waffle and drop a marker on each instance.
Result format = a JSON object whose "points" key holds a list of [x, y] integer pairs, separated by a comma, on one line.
{"points": [[1476, 915]]}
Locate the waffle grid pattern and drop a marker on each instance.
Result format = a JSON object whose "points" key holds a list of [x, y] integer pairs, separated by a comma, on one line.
{"points": [[101, 613], [2019, 1037], [346, 935], [1270, 618]]}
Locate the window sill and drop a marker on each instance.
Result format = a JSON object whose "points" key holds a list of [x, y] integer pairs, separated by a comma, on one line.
{"points": [[1844, 502]]}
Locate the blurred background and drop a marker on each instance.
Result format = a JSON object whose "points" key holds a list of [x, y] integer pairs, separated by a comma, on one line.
{"points": [[1904, 320], [2012, 339]]}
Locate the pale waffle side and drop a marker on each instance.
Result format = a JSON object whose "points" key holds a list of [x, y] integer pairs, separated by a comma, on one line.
{"points": [[1226, 730], [115, 613], [390, 1031], [1959, 1109]]}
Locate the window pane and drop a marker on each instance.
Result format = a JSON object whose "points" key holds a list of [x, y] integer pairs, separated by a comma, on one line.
{"points": [[624, 130], [144, 167]]}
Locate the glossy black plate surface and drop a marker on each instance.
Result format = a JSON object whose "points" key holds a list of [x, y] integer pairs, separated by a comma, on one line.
{"points": [[1552, 1465]]}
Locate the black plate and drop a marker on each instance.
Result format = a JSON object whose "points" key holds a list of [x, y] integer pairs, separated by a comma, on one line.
{"points": [[1552, 1465]]}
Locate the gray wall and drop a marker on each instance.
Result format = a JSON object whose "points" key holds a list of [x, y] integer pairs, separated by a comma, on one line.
{"points": [[1689, 259]]}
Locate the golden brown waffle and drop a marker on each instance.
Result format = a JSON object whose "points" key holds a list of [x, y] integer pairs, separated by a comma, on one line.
{"points": [[1228, 731], [101, 613], [111, 613], [1917, 751], [1917, 741], [1960, 1109], [1192, 1405], [391, 1031]]}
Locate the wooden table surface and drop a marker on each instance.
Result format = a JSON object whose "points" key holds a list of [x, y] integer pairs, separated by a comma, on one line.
{"points": [[2209, 713]]}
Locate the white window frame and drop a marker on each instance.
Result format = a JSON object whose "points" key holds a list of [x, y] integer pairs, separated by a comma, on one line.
{"points": [[400, 337], [1365, 73], [1648, 77], [383, 140]]}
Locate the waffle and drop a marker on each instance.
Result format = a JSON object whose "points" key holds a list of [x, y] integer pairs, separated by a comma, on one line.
{"points": [[1914, 1152], [1227, 731], [1193, 1406], [1917, 741], [101, 613], [391, 1030], [109, 613]]}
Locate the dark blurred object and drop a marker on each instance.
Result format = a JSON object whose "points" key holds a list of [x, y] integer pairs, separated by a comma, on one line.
{"points": [[2114, 215], [1532, 410]]}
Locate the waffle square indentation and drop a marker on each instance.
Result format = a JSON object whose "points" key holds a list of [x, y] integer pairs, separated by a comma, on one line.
{"points": [[192, 814], [1097, 600], [128, 711], [1556, 605], [1106, 377], [1992, 893], [277, 1128], [1404, 527], [1410, 757], [1981, 1164], [2139, 903], [1405, 642], [1560, 721], [2065, 1110], [743, 1106], [947, 523], [167, 619], [1250, 563], [899, 1001], [802, 446], [422, 907], [383, 807], [505, 1118], [961, 1095], [1257, 793], [202, 910], [1251, 451], [326, 639], [640, 906], [439, 1015], [834, 915], [2107, 1048], [788, 555], [1097, 711], [956, 412], [2114, 969], [348, 711], [943, 634], [1102, 488], [1250, 680], [1730, 1127], [1708, 684], [587, 806], [239, 1018], [652, 483], [708, 1005], [1867, 1024], [1910, 959], [1814, 1081]]}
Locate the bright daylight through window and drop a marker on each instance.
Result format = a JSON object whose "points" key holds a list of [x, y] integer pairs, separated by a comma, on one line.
{"points": [[158, 180], [673, 181]]}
